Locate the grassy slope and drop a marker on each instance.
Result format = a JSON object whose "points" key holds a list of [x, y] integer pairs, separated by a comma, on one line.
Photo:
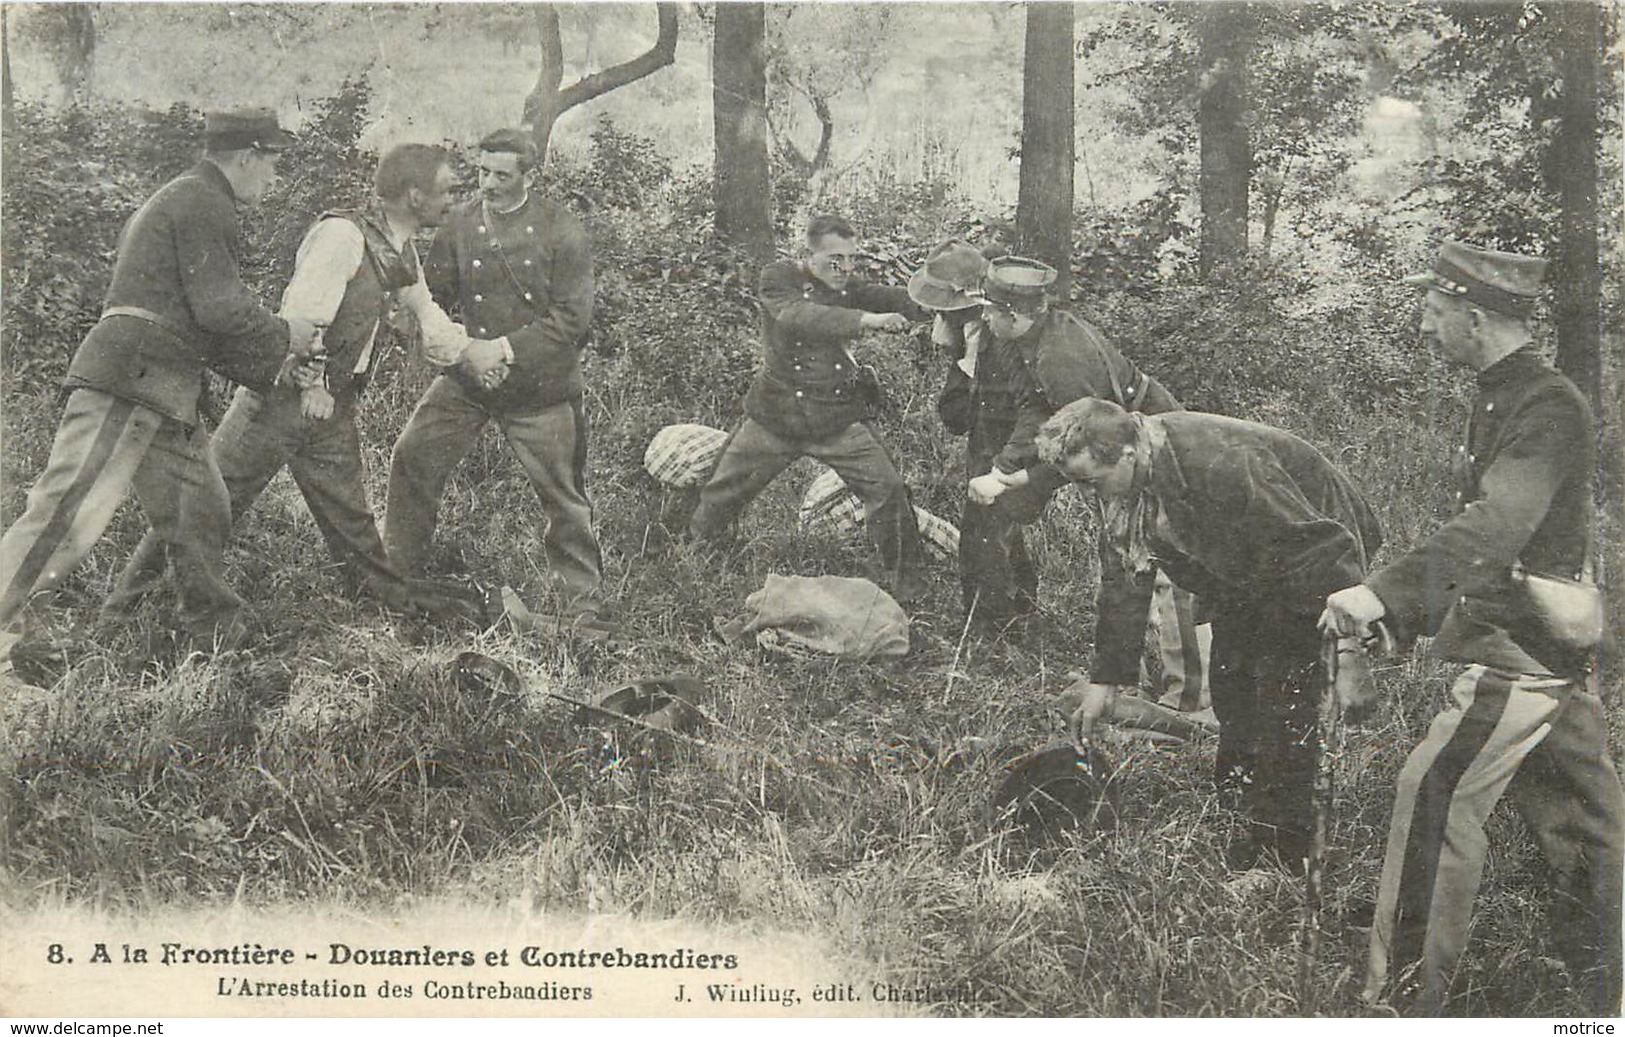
{"points": [[336, 759]]}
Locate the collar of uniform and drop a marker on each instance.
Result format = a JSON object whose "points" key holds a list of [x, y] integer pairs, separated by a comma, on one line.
{"points": [[491, 210], [212, 175], [1028, 341], [1510, 368], [813, 284]]}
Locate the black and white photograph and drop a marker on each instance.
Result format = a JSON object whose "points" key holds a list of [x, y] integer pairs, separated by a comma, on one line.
{"points": [[733, 510]]}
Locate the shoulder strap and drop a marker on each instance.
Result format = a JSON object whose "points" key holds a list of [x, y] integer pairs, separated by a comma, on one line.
{"points": [[1127, 402]]}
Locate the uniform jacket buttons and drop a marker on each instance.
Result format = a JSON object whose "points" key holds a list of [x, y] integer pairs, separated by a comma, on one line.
{"points": [[799, 394], [478, 297], [476, 264]]}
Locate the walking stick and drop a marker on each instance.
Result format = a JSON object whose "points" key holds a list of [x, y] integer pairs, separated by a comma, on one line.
{"points": [[1325, 721]]}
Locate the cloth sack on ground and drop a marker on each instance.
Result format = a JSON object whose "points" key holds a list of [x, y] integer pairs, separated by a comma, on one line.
{"points": [[829, 502], [829, 615], [682, 456]]}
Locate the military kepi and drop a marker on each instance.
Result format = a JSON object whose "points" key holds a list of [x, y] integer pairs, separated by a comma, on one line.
{"points": [[1505, 282], [1017, 280], [236, 129]]}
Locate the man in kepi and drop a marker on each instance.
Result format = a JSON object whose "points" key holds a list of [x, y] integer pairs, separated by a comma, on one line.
{"points": [[1039, 360], [177, 305], [350, 267], [517, 268], [812, 398], [1525, 718], [1257, 522]]}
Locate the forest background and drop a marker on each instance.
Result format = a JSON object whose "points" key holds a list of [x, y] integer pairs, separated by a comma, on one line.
{"points": [[1233, 196]]}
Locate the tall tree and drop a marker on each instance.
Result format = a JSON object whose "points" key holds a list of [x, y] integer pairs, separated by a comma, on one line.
{"points": [[549, 98], [817, 53], [1226, 29], [1044, 201], [8, 103], [1571, 169], [66, 32], [744, 207]]}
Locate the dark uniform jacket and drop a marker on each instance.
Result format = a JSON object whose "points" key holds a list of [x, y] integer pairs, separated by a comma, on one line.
{"points": [[1059, 360], [1524, 489], [527, 275], [178, 265], [1249, 517], [808, 387]]}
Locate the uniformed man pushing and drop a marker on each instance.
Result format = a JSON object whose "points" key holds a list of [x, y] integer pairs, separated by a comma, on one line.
{"points": [[812, 398], [177, 305], [352, 265]]}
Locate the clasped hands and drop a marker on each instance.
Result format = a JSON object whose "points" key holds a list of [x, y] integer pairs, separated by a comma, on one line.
{"points": [[488, 362], [985, 489], [894, 322]]}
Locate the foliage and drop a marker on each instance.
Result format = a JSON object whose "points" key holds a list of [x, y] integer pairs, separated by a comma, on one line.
{"points": [[326, 169], [626, 167], [1305, 90], [335, 760], [90, 166]]}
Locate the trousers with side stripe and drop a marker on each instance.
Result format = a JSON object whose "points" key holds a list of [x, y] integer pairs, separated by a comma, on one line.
{"points": [[104, 447], [1542, 741]]}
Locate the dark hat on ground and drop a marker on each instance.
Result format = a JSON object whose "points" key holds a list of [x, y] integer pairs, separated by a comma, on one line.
{"points": [[1505, 282], [1017, 280], [949, 278], [237, 129]]}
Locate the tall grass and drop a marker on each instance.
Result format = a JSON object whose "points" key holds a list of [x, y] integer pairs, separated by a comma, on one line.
{"points": [[336, 759]]}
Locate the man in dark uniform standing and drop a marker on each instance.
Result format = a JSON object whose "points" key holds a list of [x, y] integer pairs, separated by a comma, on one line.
{"points": [[517, 268], [811, 398], [176, 306], [1526, 717], [1260, 525]]}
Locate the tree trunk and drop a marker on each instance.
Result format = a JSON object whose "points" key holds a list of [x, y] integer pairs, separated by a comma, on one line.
{"points": [[1044, 204], [1575, 275], [548, 100], [744, 208], [8, 102], [1226, 32]]}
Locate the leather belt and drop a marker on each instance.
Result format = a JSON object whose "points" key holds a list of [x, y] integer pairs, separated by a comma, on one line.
{"points": [[142, 313]]}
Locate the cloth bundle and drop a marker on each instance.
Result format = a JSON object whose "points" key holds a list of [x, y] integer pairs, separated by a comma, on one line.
{"points": [[683, 456], [828, 501], [823, 615]]}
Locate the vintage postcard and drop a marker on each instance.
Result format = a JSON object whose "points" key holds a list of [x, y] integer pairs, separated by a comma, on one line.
{"points": [[801, 510]]}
